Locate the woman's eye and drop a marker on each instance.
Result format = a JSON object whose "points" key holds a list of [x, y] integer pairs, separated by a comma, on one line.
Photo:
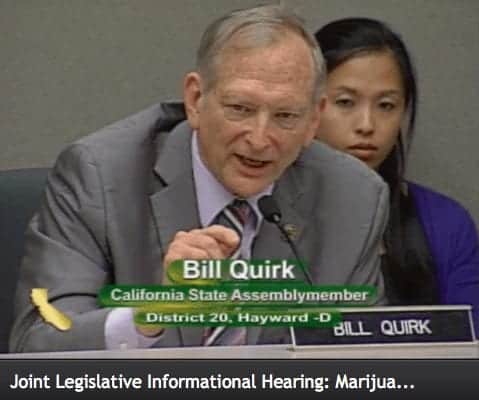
{"points": [[387, 106]]}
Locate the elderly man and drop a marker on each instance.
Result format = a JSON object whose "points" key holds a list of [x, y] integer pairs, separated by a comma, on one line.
{"points": [[124, 202]]}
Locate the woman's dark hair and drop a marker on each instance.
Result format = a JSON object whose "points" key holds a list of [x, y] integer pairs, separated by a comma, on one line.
{"points": [[407, 266]]}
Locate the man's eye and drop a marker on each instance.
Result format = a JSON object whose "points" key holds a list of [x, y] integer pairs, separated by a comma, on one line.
{"points": [[287, 120], [345, 103], [285, 115], [239, 108]]}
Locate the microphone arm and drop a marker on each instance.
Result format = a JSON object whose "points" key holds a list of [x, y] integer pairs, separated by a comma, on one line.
{"points": [[271, 213]]}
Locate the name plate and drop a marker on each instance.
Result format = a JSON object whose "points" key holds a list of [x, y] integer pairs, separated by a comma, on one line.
{"points": [[412, 324]]}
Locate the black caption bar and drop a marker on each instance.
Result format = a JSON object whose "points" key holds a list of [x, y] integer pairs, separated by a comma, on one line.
{"points": [[335, 379]]}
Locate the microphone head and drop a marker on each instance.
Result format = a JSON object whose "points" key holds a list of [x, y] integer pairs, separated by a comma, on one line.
{"points": [[270, 210]]}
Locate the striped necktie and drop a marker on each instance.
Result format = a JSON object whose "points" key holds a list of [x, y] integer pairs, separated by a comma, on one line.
{"points": [[234, 216]]}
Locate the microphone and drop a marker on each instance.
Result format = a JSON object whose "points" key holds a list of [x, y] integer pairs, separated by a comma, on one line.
{"points": [[271, 213]]}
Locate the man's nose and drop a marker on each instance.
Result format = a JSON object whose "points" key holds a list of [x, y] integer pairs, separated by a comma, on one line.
{"points": [[258, 136], [365, 123]]}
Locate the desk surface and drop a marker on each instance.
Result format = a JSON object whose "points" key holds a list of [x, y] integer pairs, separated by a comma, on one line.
{"points": [[370, 351]]}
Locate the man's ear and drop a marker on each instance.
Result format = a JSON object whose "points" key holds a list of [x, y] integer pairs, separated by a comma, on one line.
{"points": [[312, 133], [192, 96], [321, 107]]}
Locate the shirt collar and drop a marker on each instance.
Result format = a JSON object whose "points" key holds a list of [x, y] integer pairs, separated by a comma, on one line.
{"points": [[212, 197]]}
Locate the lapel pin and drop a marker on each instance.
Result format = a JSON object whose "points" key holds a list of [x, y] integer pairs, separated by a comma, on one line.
{"points": [[291, 230]]}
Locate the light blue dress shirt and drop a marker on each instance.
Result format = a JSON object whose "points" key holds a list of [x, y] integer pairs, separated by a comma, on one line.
{"points": [[213, 198]]}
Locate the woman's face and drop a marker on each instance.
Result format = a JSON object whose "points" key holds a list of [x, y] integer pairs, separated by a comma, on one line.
{"points": [[364, 107]]}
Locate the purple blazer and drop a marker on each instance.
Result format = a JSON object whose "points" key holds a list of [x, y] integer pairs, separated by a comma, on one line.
{"points": [[453, 241]]}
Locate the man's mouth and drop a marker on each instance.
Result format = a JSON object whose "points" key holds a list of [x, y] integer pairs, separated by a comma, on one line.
{"points": [[252, 162]]}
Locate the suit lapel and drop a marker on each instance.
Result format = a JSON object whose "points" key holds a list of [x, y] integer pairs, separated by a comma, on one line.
{"points": [[174, 209], [174, 204], [269, 243]]}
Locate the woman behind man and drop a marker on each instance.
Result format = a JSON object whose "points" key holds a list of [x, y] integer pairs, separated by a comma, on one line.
{"points": [[431, 245]]}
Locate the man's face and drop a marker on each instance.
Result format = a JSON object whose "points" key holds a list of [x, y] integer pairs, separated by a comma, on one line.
{"points": [[257, 115]]}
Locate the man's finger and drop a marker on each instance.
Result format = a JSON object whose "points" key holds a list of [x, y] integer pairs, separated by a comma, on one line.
{"points": [[226, 236], [197, 239]]}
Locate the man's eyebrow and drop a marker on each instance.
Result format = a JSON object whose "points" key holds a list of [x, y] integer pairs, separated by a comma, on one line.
{"points": [[230, 96], [292, 108], [343, 88], [286, 105]]}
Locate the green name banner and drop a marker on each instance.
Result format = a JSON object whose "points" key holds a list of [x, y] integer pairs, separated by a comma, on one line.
{"points": [[207, 272], [237, 294], [312, 318]]}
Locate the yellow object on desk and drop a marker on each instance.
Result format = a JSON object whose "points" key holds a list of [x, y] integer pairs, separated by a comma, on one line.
{"points": [[50, 314]]}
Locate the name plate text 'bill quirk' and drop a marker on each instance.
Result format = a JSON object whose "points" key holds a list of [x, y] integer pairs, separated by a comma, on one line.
{"points": [[415, 324]]}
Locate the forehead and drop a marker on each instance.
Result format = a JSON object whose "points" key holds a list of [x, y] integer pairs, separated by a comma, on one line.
{"points": [[286, 64], [368, 72]]}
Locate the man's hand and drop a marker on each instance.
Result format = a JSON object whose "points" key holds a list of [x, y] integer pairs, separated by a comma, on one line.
{"points": [[215, 242]]}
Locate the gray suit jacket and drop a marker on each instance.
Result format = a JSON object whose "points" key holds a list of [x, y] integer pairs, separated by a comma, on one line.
{"points": [[116, 198]]}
